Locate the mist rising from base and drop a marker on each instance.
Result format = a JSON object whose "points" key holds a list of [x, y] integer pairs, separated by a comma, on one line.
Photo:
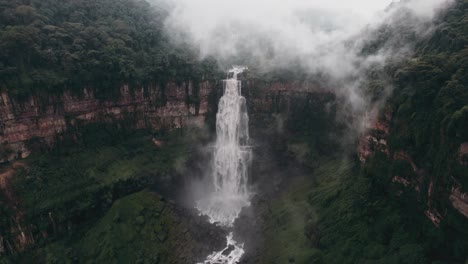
{"points": [[231, 160]]}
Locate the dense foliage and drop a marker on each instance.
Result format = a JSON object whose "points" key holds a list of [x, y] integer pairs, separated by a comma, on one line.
{"points": [[366, 219], [343, 213], [431, 101], [369, 219], [52, 45], [358, 215], [139, 228], [65, 190]]}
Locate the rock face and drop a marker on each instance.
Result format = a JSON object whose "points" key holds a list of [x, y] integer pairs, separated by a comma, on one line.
{"points": [[277, 97], [463, 154], [459, 201], [457, 197], [156, 107], [374, 139]]}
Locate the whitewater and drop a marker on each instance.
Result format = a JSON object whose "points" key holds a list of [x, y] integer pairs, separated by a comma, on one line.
{"points": [[232, 157]]}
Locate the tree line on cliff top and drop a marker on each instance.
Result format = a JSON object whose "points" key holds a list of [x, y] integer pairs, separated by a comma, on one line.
{"points": [[371, 219], [47, 46]]}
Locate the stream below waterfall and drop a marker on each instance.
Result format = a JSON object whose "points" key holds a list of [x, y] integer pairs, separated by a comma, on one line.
{"points": [[232, 156]]}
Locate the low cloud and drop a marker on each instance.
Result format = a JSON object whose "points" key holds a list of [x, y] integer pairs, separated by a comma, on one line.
{"points": [[277, 32], [339, 39]]}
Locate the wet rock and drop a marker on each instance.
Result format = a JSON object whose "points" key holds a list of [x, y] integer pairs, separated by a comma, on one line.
{"points": [[228, 250]]}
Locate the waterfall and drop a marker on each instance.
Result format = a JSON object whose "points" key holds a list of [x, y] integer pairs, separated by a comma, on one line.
{"points": [[232, 156], [230, 164]]}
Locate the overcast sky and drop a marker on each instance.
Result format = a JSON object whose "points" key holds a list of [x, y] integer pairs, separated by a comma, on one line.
{"points": [[202, 15], [279, 7], [323, 36], [217, 27]]}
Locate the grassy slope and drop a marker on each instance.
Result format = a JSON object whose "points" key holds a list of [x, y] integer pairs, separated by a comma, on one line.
{"points": [[139, 228], [76, 185], [290, 228], [362, 216], [284, 229], [339, 214], [53, 180]]}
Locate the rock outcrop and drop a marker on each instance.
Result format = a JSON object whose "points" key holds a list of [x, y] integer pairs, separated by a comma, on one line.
{"points": [[459, 200], [463, 154], [375, 139], [375, 136], [156, 107], [277, 97]]}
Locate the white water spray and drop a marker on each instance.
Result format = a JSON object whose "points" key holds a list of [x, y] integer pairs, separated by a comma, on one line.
{"points": [[231, 157], [231, 160], [231, 254]]}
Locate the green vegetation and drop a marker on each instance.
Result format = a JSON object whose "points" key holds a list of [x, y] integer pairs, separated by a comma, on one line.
{"points": [[310, 121], [430, 102], [356, 214], [139, 228], [284, 229], [51, 179], [5, 217], [126, 222], [366, 219], [341, 214], [47, 46], [63, 191]]}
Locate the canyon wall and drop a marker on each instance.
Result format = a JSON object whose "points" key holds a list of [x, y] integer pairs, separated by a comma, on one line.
{"points": [[157, 107], [154, 107], [47, 120], [419, 179], [278, 97], [173, 106]]}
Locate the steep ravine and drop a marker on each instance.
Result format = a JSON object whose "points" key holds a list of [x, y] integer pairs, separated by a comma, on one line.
{"points": [[159, 107], [30, 125], [46, 120], [296, 143]]}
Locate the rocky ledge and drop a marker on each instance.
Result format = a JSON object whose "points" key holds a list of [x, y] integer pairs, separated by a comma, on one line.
{"points": [[154, 107]]}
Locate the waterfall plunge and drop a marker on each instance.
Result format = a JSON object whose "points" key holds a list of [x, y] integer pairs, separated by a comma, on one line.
{"points": [[231, 160]]}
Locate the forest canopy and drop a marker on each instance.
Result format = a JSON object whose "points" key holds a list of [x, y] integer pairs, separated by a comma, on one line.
{"points": [[51, 45]]}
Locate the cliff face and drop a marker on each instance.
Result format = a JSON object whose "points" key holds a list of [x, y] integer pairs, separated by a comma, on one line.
{"points": [[378, 130], [277, 97], [375, 137], [175, 106], [157, 107]]}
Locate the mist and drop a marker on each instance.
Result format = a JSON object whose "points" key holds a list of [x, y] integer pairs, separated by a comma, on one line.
{"points": [[328, 38], [276, 33]]}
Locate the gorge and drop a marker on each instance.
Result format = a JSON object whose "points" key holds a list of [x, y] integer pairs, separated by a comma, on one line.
{"points": [[231, 161], [123, 140]]}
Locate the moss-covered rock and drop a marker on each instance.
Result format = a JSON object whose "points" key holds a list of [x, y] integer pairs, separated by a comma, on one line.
{"points": [[143, 234]]}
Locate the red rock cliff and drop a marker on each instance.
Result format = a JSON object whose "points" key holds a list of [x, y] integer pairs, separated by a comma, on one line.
{"points": [[154, 108], [375, 139]]}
